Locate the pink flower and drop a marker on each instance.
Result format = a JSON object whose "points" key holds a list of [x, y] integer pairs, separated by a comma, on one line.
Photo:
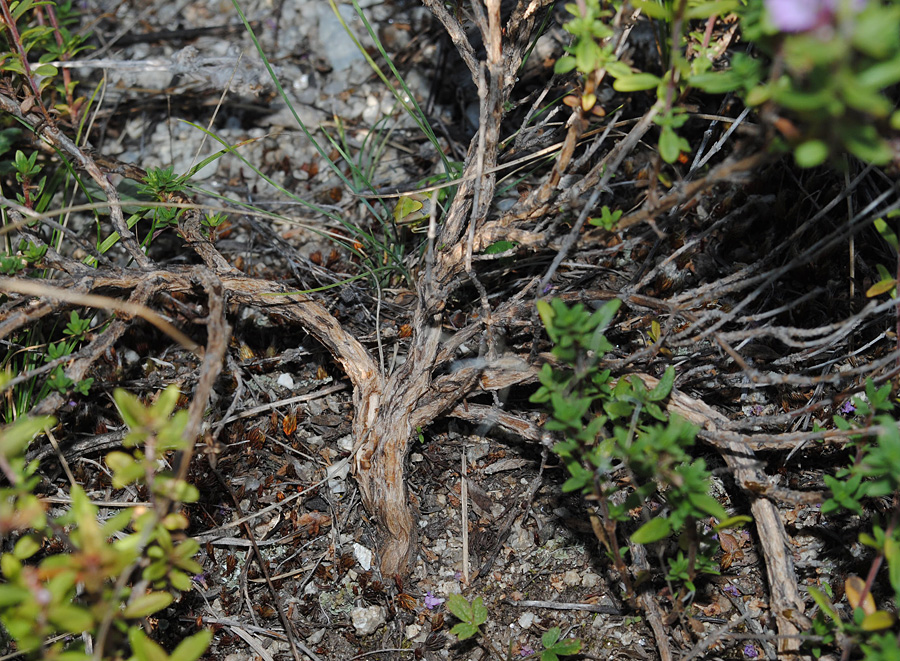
{"points": [[805, 15], [432, 602]]}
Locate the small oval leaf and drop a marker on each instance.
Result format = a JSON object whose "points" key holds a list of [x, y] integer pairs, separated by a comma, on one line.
{"points": [[636, 82], [148, 604], [652, 531], [880, 288], [878, 621]]}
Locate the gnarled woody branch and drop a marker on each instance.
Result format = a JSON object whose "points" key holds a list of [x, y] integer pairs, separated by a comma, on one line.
{"points": [[387, 408], [409, 397]]}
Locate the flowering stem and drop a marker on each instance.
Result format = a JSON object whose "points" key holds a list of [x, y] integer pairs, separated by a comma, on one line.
{"points": [[16, 40]]}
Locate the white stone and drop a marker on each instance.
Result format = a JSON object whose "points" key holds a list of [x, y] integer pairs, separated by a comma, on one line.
{"points": [[520, 539], [590, 580], [526, 619], [447, 587], [412, 631], [367, 620], [363, 556], [285, 380], [316, 637], [572, 578], [340, 49]]}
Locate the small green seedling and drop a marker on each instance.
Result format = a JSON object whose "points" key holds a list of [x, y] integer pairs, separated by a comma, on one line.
{"points": [[555, 648], [470, 615]]}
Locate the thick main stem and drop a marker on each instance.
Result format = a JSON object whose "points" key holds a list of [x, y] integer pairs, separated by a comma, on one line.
{"points": [[387, 416]]}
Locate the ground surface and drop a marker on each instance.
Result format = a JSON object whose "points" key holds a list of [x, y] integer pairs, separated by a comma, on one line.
{"points": [[736, 276]]}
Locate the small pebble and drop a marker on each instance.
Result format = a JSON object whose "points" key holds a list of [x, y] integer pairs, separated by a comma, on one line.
{"points": [[572, 578], [367, 620], [363, 556]]}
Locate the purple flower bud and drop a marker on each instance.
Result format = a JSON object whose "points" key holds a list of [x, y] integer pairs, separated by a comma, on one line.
{"points": [[750, 651], [847, 407], [805, 15], [733, 591]]}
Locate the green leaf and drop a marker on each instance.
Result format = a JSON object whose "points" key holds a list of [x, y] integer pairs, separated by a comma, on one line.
{"points": [[892, 553], [733, 522], [460, 607], [145, 649], [864, 99], [179, 580], [165, 404], [717, 82], [499, 246], [581, 477], [804, 101], [148, 604], [16, 437], [10, 595], [406, 207], [707, 504], [652, 531], [193, 647], [564, 64], [130, 408], [479, 612], [636, 82], [811, 153], [876, 33], [881, 287], [46, 70], [888, 235], [877, 621], [68, 617], [711, 8], [864, 142], [548, 315], [664, 387], [567, 647], [654, 9], [26, 547], [464, 630], [155, 571], [825, 604], [11, 566], [618, 69], [180, 490], [550, 637], [125, 468], [670, 144], [74, 656], [602, 317]]}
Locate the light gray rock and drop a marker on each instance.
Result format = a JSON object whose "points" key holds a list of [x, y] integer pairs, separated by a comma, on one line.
{"points": [[367, 620]]}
